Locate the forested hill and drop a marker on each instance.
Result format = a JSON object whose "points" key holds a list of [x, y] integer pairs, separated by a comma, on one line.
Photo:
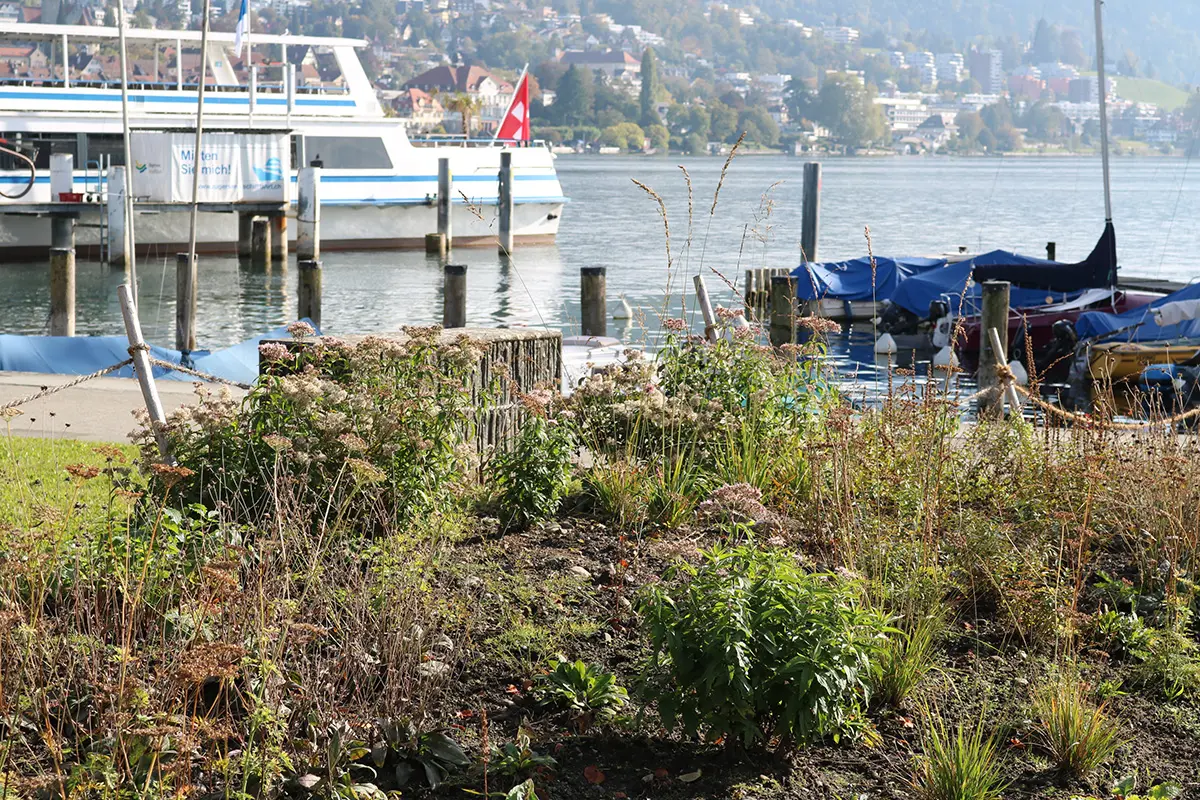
{"points": [[1162, 36]]}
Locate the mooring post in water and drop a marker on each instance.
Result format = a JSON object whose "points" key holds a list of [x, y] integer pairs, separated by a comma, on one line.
{"points": [[309, 306], [1051, 251], [279, 238], [706, 309], [117, 257], [810, 227], [186, 278], [995, 315], [505, 197], [62, 291], [454, 296], [593, 300], [141, 368], [260, 242], [783, 310], [444, 205], [245, 236], [308, 214], [435, 244]]}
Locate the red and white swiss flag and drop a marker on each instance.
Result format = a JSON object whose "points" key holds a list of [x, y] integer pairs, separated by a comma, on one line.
{"points": [[515, 125]]}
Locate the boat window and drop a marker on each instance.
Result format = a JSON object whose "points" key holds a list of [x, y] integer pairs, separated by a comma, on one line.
{"points": [[347, 152], [107, 148]]}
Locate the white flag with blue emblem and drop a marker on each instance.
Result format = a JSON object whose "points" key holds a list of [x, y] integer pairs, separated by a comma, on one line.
{"points": [[240, 32]]}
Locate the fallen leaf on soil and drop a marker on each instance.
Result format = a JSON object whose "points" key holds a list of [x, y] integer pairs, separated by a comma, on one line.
{"points": [[1016, 743], [512, 689], [466, 713], [690, 777], [593, 774], [620, 795], [661, 773], [906, 722]]}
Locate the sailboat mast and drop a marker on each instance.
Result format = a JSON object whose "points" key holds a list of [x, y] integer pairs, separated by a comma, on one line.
{"points": [[130, 240], [1103, 87]]}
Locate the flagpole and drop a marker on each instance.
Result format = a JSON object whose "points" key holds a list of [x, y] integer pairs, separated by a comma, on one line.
{"points": [[130, 239], [196, 156], [516, 88]]}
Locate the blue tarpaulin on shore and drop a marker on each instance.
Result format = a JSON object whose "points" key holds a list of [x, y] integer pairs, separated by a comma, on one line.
{"points": [[1098, 324], [81, 355], [857, 279]]}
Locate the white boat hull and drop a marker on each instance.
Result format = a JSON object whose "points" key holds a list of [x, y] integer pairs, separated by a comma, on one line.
{"points": [[343, 227]]}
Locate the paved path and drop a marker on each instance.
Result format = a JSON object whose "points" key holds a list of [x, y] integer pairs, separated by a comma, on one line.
{"points": [[97, 411]]}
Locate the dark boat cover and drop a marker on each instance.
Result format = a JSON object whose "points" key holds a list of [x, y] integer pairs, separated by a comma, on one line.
{"points": [[1098, 270]]}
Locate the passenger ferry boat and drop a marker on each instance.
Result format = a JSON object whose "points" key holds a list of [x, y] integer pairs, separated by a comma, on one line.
{"points": [[378, 187]]}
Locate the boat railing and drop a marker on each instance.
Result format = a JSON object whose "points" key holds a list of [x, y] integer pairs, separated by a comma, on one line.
{"points": [[450, 140], [144, 85]]}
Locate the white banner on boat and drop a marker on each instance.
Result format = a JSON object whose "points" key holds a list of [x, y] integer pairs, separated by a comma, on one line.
{"points": [[233, 167]]}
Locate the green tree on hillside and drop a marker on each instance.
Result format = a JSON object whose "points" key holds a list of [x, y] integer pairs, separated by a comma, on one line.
{"points": [[759, 126], [722, 122], [576, 99], [848, 109], [650, 85], [801, 102]]}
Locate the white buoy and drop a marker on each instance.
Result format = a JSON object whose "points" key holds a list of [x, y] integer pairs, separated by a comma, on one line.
{"points": [[622, 311], [1019, 373], [946, 357], [885, 345]]}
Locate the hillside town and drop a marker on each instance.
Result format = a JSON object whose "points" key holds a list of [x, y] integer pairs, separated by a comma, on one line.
{"points": [[448, 68]]}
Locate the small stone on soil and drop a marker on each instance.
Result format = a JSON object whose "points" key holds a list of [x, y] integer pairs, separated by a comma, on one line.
{"points": [[433, 669], [581, 573]]}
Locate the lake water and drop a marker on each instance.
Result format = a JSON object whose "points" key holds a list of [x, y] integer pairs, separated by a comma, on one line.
{"points": [[913, 206]]}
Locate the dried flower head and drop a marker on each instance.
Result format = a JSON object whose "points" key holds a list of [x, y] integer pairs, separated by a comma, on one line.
{"points": [[10, 413], [276, 442], [84, 472], [675, 325], [353, 442], [110, 452], [210, 660], [170, 474]]}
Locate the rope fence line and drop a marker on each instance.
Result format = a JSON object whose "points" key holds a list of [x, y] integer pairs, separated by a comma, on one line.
{"points": [[204, 376], [100, 373], [49, 390]]}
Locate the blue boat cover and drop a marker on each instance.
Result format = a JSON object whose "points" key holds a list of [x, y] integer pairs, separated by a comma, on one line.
{"points": [[1098, 325], [857, 279], [951, 284], [1098, 270], [80, 355]]}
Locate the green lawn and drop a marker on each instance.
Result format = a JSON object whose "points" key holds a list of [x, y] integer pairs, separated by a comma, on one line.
{"points": [[33, 476], [1147, 90]]}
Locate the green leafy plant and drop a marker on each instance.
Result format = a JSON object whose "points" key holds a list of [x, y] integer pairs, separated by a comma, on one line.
{"points": [[1126, 789], [959, 765], [517, 759], [905, 660], [589, 693], [534, 475], [405, 751], [749, 644], [1077, 734]]}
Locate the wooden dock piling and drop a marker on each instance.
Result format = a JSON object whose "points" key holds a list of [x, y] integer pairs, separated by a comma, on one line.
{"points": [[260, 242], [186, 290], [810, 226], [445, 203], [593, 290], [1051, 251], [435, 244], [783, 310], [62, 291], [309, 291], [454, 296], [279, 238], [245, 236], [995, 315], [505, 199], [308, 214]]}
